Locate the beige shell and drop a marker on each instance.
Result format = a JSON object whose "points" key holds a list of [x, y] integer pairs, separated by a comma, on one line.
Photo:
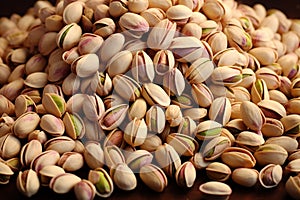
{"points": [[153, 177], [270, 176], [218, 171], [28, 182], [186, 175], [48, 172], [215, 189], [239, 174], [29, 151], [64, 183], [236, 157], [123, 177], [270, 154], [102, 181]]}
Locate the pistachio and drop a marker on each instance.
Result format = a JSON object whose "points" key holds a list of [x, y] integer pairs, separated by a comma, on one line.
{"points": [[6, 122], [113, 156], [154, 94], [126, 87], [288, 143], [227, 75], [68, 36], [220, 110], [270, 175], [52, 125], [48, 157], [134, 24], [151, 143], [153, 177], [292, 186], [54, 104], [164, 5], [25, 124], [236, 157], [28, 182], [79, 65], [137, 109], [179, 14], [118, 8], [135, 132], [270, 154], [5, 173], [199, 71], [183, 144], [259, 91], [93, 107], [48, 172], [102, 182], [252, 116], [187, 126], [215, 189], [104, 27], [202, 95], [173, 82], [75, 127], [239, 174], [186, 175], [291, 124], [137, 159], [215, 147], [208, 129], [192, 29], [115, 137], [153, 15], [249, 140], [123, 177], [85, 190], [218, 171], [293, 166], [29, 151], [142, 67], [93, 155], [63, 183], [71, 161]]}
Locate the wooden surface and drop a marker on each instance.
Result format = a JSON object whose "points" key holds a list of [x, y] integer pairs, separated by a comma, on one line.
{"points": [[292, 10]]}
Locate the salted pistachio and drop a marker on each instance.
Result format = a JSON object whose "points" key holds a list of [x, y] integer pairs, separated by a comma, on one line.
{"points": [[161, 35], [270, 154], [126, 87], [262, 37], [71, 161], [220, 110], [217, 171], [208, 27], [188, 49], [199, 71], [36, 63], [153, 15], [174, 82], [118, 8], [75, 127], [85, 190], [269, 76], [137, 6], [5, 73], [72, 12], [249, 140], [10, 146], [227, 75], [183, 144], [133, 24], [208, 129], [54, 22], [217, 41], [240, 93], [23, 104], [93, 107], [285, 85], [164, 61], [214, 10], [48, 157], [138, 109], [236, 157], [236, 126], [239, 174], [5, 173], [198, 161], [291, 124], [155, 119], [100, 11], [104, 86], [68, 36], [137, 159], [135, 45], [290, 39], [48, 172], [187, 126], [278, 96], [215, 189], [89, 43], [60, 144], [252, 116], [215, 147], [52, 88], [102, 181], [113, 155], [153, 177], [6, 122], [54, 104], [230, 56], [183, 101], [79, 68], [29, 151], [168, 159], [292, 106], [294, 155], [226, 133], [113, 117], [104, 27], [135, 132], [270, 175], [37, 135], [272, 128], [192, 29], [25, 124], [93, 155], [196, 114], [179, 14], [154, 94], [292, 186], [36, 80], [47, 43], [52, 125], [259, 91], [288, 143], [151, 143], [185, 175], [6, 106], [293, 166], [28, 182], [64, 183], [79, 147], [123, 177], [142, 68], [265, 55], [295, 89], [70, 55], [12, 90]]}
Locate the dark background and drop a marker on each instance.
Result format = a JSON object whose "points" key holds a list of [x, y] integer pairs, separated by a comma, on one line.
{"points": [[290, 7]]}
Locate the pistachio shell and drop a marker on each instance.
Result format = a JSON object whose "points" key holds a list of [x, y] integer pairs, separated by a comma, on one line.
{"points": [[84, 190], [215, 189], [186, 175], [93, 155], [239, 174], [218, 171], [135, 132], [75, 128], [28, 182], [29, 151], [5, 173], [102, 182], [270, 154], [54, 104], [52, 125], [71, 161], [123, 177], [236, 157], [63, 183], [48, 172], [25, 124], [270, 175], [113, 117], [215, 147], [137, 159], [154, 177], [49, 157], [69, 36], [154, 94]]}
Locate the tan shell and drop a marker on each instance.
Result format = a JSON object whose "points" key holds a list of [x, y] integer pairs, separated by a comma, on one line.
{"points": [[239, 174], [84, 190], [29, 151], [5, 171], [48, 172], [52, 125], [75, 128], [186, 175], [218, 171], [153, 177], [113, 155], [123, 177], [69, 36], [71, 161], [215, 147], [215, 189], [93, 155], [154, 94], [270, 176], [54, 104], [10, 146], [25, 124], [270, 154], [49, 157], [64, 183], [28, 182], [236, 157], [137, 159], [102, 181]]}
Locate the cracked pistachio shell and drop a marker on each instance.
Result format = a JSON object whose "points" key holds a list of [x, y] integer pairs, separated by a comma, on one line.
{"points": [[48, 157], [104, 27], [85, 190], [265, 55], [195, 6], [161, 35], [137, 159], [168, 159], [183, 144], [293, 166], [163, 61], [292, 106], [217, 171], [126, 87], [292, 186], [75, 127], [72, 12], [5, 73], [113, 155], [278, 96], [48, 172], [239, 174], [208, 129], [153, 15], [135, 132], [269, 76], [215, 147], [137, 6], [295, 89], [29, 151], [108, 50], [37, 135], [25, 124], [34, 94], [79, 68], [187, 126], [270, 154], [138, 109], [102, 181], [174, 82], [183, 101], [70, 55], [123, 177], [229, 57], [215, 189], [217, 41], [155, 119], [28, 182], [288, 143], [36, 63], [164, 4], [6, 122], [173, 115], [249, 140], [113, 117], [52, 125], [47, 43], [68, 36], [151, 143], [5, 173], [93, 155], [199, 71], [272, 109], [220, 110], [23, 104], [192, 29], [270, 176], [104, 86], [154, 94], [185, 175], [227, 75], [142, 68], [272, 128], [236, 157], [54, 104], [118, 8], [64, 183], [252, 116], [179, 14], [60, 144], [10, 146], [71, 161], [36, 80], [153, 177], [198, 161], [133, 25], [202, 95], [259, 91], [235, 126], [93, 107], [89, 43], [291, 124], [214, 9]]}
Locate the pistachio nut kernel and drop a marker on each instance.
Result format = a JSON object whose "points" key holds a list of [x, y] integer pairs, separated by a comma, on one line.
{"points": [[85, 189], [54, 104], [186, 175], [123, 177], [217, 171], [215, 147], [28, 182], [183, 144], [154, 177], [270, 175], [270, 154], [5, 173], [102, 182], [69, 36], [75, 127]]}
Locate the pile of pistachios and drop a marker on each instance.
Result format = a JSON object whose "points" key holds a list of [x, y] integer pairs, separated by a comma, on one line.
{"points": [[148, 92]]}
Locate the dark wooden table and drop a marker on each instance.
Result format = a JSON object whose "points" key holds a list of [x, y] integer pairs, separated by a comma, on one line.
{"points": [[9, 191]]}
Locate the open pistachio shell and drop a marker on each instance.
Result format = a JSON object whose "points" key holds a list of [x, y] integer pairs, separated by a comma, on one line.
{"points": [[60, 144], [218, 171], [239, 174], [123, 177], [85, 190], [48, 172], [28, 182], [183, 144], [270, 175], [186, 175], [215, 147], [236, 157], [64, 183], [215, 189], [270, 154], [154, 177], [5, 173], [54, 104], [137, 159], [75, 128], [29, 151]]}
